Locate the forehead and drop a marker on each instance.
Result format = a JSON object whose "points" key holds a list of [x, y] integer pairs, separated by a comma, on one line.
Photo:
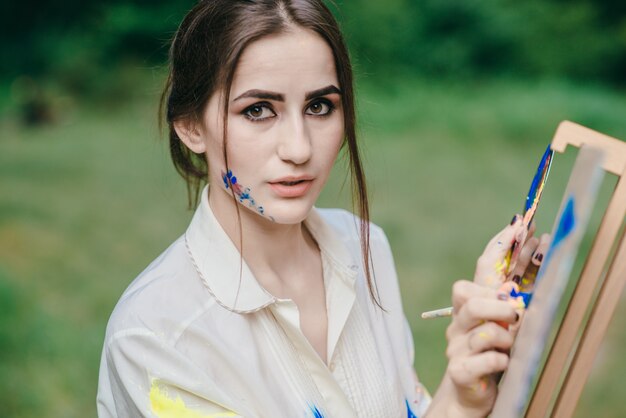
{"points": [[291, 62]]}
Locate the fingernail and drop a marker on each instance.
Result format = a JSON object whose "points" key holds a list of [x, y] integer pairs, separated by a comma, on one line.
{"points": [[529, 225], [514, 219], [517, 279], [539, 257], [516, 317]]}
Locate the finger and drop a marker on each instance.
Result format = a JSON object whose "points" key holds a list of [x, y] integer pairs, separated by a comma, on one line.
{"points": [[477, 311], [467, 371], [524, 259], [516, 248], [507, 234], [487, 336], [514, 329], [542, 248], [492, 265], [532, 228], [527, 282], [463, 290]]}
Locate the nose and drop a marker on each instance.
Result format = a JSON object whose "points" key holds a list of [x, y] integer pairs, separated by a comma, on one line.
{"points": [[295, 142]]}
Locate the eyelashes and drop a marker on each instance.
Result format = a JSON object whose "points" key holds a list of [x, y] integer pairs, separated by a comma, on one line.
{"points": [[320, 108], [262, 111], [259, 112]]}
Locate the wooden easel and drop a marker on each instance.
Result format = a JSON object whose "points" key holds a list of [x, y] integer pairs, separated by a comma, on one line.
{"points": [[611, 285]]}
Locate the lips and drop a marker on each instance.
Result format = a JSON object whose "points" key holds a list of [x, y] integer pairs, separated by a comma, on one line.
{"points": [[290, 183], [291, 187]]}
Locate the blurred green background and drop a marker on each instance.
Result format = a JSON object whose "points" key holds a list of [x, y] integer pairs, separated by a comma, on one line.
{"points": [[456, 100]]}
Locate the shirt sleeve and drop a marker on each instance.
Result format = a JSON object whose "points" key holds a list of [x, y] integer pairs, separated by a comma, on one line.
{"points": [[144, 376]]}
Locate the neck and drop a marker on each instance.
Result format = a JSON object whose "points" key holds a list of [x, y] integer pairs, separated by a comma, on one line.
{"points": [[277, 254]]}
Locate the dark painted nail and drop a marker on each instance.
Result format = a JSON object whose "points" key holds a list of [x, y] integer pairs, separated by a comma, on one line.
{"points": [[539, 257], [516, 317], [514, 220], [517, 279], [529, 225]]}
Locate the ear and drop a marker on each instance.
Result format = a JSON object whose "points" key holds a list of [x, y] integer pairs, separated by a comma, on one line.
{"points": [[190, 133]]}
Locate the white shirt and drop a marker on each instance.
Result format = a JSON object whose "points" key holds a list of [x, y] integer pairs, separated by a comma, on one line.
{"points": [[181, 343]]}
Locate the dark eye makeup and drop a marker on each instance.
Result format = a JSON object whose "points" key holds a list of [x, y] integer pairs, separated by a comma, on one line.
{"points": [[259, 112], [262, 111], [320, 107]]}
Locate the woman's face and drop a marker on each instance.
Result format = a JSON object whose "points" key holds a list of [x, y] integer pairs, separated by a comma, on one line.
{"points": [[285, 127]]}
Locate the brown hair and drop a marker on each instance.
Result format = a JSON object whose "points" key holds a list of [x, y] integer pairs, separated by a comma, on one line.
{"points": [[203, 58]]}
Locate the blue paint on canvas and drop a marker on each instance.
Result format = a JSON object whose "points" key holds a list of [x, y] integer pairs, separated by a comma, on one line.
{"points": [[566, 223]]}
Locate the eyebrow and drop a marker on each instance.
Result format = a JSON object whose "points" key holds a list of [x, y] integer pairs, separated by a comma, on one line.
{"points": [[269, 95], [322, 92]]}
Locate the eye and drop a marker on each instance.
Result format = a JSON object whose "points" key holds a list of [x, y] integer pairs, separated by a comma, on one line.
{"points": [[258, 112], [320, 108]]}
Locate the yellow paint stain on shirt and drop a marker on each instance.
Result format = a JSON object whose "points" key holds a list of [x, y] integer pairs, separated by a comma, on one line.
{"points": [[165, 407]]}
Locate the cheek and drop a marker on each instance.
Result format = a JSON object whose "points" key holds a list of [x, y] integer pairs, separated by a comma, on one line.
{"points": [[248, 157], [331, 139]]}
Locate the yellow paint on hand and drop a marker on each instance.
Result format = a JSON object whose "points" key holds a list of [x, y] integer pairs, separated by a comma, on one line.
{"points": [[483, 335], [165, 407], [501, 267], [518, 303]]}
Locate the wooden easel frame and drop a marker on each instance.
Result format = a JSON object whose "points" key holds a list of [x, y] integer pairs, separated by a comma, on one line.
{"points": [[565, 345]]}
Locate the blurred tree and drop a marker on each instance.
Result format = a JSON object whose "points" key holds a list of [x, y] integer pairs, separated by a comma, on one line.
{"points": [[81, 43], [575, 39]]}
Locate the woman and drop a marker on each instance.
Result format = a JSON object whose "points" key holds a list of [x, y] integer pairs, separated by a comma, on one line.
{"points": [[267, 306]]}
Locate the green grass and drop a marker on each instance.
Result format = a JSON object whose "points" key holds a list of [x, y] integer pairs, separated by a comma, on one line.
{"points": [[87, 203]]}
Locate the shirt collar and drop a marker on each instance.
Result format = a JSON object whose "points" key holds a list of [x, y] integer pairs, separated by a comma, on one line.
{"points": [[220, 265]]}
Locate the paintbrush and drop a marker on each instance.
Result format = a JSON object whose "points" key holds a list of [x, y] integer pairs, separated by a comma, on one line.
{"points": [[530, 208]]}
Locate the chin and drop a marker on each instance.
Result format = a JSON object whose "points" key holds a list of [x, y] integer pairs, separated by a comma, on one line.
{"points": [[289, 212]]}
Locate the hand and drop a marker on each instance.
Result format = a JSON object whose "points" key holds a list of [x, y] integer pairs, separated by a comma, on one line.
{"points": [[493, 269], [477, 346], [478, 339]]}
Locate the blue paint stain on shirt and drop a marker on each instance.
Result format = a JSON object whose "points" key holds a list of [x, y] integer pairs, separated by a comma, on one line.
{"points": [[316, 412], [410, 413]]}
